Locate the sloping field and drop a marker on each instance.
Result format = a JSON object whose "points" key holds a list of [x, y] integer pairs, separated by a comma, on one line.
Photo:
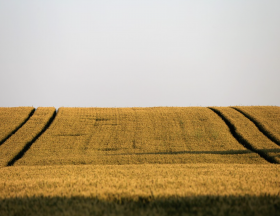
{"points": [[252, 137], [141, 161], [137, 135], [11, 118], [158, 189], [12, 147], [267, 119]]}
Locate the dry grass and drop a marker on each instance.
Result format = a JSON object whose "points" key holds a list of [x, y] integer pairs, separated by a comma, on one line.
{"points": [[12, 147], [267, 118], [178, 189], [137, 135], [248, 131], [12, 118]]}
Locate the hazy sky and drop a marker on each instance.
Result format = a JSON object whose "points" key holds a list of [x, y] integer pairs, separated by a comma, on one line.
{"points": [[130, 53]]}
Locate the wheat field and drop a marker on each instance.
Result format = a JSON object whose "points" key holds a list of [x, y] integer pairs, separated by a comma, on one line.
{"points": [[136, 136], [11, 118], [10, 149], [266, 118], [147, 189], [250, 134], [140, 161]]}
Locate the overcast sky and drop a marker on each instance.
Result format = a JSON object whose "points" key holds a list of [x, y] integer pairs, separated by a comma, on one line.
{"points": [[139, 53]]}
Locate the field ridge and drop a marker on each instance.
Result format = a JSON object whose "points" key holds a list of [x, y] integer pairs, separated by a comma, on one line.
{"points": [[260, 126], [243, 141], [29, 144], [18, 127]]}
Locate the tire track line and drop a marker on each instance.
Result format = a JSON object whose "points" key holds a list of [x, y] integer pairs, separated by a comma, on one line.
{"points": [[241, 139], [18, 127], [29, 144], [259, 126]]}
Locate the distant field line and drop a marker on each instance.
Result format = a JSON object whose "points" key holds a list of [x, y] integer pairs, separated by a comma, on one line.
{"points": [[240, 138], [18, 127], [195, 152], [259, 126]]}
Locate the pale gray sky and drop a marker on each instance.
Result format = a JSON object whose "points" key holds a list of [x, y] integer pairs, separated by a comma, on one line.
{"points": [[130, 53]]}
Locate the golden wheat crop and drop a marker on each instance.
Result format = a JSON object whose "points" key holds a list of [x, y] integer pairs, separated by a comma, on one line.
{"points": [[138, 180], [137, 135], [248, 131], [24, 136], [12, 118], [158, 189], [267, 118], [139, 161]]}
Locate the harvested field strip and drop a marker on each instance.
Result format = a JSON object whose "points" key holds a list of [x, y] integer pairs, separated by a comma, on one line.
{"points": [[14, 148], [137, 135], [11, 119], [177, 189], [249, 135], [266, 118]]}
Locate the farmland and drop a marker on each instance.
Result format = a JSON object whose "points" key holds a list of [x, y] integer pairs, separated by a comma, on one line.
{"points": [[24, 136], [11, 119], [147, 189], [140, 161], [250, 135], [135, 136], [266, 118]]}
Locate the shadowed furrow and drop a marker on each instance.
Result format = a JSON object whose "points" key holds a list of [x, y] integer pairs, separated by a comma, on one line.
{"points": [[11, 119], [15, 147], [142, 205], [249, 135]]}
